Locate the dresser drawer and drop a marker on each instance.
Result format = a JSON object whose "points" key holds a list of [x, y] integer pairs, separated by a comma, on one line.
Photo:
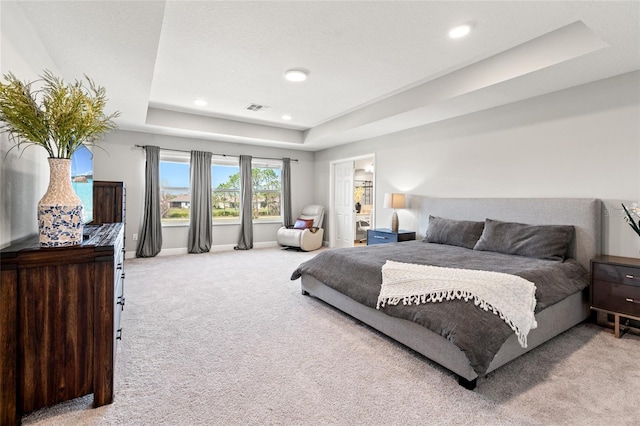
{"points": [[118, 293], [616, 274], [624, 299]]}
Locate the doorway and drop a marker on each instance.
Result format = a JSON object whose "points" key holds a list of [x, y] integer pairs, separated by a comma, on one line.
{"points": [[352, 200], [363, 198]]}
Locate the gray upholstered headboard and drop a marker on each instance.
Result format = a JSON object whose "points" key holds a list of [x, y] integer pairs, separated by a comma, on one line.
{"points": [[583, 214]]}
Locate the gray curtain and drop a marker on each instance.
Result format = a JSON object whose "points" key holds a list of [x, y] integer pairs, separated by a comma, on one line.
{"points": [[200, 216], [287, 219], [245, 242], [150, 242]]}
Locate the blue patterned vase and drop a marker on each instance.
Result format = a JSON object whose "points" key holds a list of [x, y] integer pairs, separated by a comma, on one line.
{"points": [[60, 211]]}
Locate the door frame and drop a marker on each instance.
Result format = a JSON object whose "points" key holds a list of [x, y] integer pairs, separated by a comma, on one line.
{"points": [[332, 206]]}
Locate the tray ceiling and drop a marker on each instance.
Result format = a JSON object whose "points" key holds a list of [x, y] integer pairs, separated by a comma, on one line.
{"points": [[375, 67]]}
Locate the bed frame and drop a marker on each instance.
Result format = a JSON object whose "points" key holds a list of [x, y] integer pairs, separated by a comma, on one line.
{"points": [[583, 214]]}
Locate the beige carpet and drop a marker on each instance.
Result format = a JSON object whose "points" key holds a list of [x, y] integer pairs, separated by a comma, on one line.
{"points": [[227, 339]]}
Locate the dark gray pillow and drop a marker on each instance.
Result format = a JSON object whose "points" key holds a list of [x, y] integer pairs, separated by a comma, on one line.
{"points": [[537, 241], [462, 233]]}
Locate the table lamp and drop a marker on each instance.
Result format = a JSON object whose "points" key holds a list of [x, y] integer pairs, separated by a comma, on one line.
{"points": [[394, 201]]}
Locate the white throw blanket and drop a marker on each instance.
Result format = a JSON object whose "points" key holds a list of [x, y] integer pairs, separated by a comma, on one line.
{"points": [[509, 296]]}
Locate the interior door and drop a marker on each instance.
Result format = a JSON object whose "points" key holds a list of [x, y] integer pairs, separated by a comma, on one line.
{"points": [[343, 203]]}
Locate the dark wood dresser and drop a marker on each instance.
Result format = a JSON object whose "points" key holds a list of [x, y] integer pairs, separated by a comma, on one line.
{"points": [[59, 321], [615, 289]]}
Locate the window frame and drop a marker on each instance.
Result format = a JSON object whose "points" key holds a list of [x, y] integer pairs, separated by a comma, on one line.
{"points": [[169, 156], [272, 164], [225, 162], [185, 158]]}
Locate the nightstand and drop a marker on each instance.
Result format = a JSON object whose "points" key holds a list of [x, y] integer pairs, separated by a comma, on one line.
{"points": [[386, 235], [615, 288]]}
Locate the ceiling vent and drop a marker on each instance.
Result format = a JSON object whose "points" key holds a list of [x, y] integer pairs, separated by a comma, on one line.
{"points": [[256, 107]]}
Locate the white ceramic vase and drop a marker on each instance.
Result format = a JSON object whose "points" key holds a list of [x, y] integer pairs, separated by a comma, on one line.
{"points": [[60, 211]]}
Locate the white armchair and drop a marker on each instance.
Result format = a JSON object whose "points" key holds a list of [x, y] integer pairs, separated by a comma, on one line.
{"points": [[306, 239]]}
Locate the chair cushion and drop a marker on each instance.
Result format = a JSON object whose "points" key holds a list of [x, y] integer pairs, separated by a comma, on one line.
{"points": [[303, 223], [315, 212]]}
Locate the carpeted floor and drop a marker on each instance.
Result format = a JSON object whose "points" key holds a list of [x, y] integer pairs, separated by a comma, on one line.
{"points": [[227, 339]]}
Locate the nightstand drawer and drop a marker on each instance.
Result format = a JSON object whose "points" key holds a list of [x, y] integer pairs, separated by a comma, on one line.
{"points": [[374, 237], [624, 299], [616, 274], [383, 236]]}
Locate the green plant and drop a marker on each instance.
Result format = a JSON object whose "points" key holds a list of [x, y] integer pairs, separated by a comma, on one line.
{"points": [[358, 192], [178, 213], [58, 117], [634, 210]]}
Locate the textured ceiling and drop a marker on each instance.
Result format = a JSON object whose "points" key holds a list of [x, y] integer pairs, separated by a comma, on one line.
{"points": [[375, 66]]}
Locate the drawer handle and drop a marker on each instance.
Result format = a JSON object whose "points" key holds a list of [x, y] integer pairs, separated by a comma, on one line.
{"points": [[630, 300], [629, 276], [122, 275], [119, 334], [119, 266], [379, 237]]}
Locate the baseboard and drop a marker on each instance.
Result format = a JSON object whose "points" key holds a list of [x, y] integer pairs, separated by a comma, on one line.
{"points": [[163, 252], [266, 244], [226, 247]]}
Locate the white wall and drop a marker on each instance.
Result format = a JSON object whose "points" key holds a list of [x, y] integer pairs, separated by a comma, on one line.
{"points": [[24, 175], [579, 142], [120, 160]]}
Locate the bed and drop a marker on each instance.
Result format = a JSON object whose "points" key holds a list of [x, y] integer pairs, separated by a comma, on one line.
{"points": [[449, 332]]}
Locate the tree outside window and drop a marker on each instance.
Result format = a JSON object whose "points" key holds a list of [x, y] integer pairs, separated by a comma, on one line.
{"points": [[225, 195], [267, 191], [267, 188]]}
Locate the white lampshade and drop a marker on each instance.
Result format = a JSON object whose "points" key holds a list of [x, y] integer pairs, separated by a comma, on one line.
{"points": [[394, 201]]}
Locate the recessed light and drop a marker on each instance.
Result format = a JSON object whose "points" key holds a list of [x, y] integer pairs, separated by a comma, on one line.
{"points": [[200, 102], [460, 31], [296, 75], [286, 117]]}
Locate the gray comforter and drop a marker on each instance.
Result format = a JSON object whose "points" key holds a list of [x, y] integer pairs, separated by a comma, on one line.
{"points": [[357, 273]]}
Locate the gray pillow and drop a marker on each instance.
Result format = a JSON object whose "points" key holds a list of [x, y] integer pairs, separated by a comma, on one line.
{"points": [[537, 241], [462, 233]]}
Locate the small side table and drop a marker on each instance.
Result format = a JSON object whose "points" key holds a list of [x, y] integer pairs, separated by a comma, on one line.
{"points": [[615, 289], [386, 235]]}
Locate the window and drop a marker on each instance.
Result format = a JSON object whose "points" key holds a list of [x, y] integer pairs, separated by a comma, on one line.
{"points": [[267, 190], [175, 190], [225, 194], [82, 179]]}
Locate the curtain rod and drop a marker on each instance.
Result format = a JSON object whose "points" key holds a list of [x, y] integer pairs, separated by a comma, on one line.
{"points": [[221, 155]]}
